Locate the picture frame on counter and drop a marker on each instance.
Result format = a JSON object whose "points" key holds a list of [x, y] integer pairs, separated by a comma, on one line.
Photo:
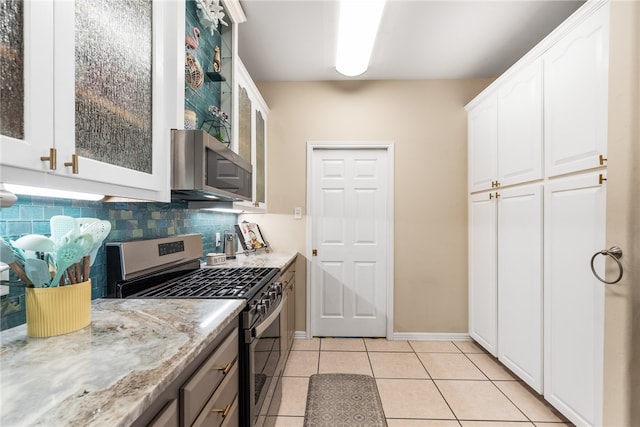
{"points": [[251, 237]]}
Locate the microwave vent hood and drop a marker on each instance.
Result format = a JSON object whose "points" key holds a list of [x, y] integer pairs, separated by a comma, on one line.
{"points": [[204, 169]]}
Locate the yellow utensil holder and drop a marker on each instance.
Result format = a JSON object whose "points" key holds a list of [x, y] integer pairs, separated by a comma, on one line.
{"points": [[57, 311]]}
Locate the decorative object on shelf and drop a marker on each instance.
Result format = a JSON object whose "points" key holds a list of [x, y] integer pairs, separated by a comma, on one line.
{"points": [[216, 59], [218, 113], [252, 238], [192, 42], [210, 13], [193, 73], [190, 119]]}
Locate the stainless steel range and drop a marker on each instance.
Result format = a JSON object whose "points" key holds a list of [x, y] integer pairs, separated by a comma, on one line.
{"points": [[170, 268]]}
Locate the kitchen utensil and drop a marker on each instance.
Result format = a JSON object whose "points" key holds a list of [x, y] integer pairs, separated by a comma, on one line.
{"points": [[83, 223], [37, 271], [61, 225], [34, 242], [70, 253], [98, 230], [20, 256], [8, 256]]}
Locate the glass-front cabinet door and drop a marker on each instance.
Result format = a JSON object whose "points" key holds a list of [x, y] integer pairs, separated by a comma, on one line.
{"points": [[252, 135], [95, 110], [26, 83]]}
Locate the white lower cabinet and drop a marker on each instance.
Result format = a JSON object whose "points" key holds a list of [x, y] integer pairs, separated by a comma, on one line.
{"points": [[483, 313], [574, 299], [505, 278], [519, 263]]}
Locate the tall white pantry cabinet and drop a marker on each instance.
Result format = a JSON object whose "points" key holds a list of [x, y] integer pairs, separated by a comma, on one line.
{"points": [[537, 194]]}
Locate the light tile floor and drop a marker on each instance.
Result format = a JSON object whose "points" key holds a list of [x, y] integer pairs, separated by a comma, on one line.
{"points": [[421, 383]]}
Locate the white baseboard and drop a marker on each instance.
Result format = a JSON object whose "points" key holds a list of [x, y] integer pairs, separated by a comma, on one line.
{"points": [[429, 336], [411, 336]]}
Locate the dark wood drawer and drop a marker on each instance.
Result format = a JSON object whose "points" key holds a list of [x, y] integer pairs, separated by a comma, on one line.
{"points": [[220, 410], [197, 391], [168, 416]]}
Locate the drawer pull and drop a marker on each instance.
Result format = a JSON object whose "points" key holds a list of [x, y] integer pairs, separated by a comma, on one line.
{"points": [[225, 369], [224, 411]]}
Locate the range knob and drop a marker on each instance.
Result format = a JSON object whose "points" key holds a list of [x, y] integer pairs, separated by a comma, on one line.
{"points": [[273, 295], [278, 287], [262, 309]]}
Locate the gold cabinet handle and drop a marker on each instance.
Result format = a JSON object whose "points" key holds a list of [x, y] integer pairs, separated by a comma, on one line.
{"points": [[73, 163], [497, 195], [314, 252], [601, 179], [602, 159], [225, 369], [493, 184], [256, 204], [224, 411], [51, 158], [490, 196]]}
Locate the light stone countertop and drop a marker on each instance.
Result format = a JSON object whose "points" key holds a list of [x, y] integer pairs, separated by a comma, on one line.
{"points": [[108, 373], [259, 258]]}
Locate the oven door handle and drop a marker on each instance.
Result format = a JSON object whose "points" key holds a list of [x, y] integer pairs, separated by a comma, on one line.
{"points": [[259, 330]]}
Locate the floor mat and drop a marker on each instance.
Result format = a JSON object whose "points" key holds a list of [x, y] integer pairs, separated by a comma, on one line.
{"points": [[343, 400]]}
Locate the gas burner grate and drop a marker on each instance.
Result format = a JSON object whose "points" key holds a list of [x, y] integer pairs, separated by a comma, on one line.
{"points": [[215, 283]]}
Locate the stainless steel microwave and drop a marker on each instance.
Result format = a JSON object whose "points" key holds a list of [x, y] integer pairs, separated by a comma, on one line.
{"points": [[202, 168]]}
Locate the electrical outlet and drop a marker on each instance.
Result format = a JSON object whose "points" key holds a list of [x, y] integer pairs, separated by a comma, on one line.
{"points": [[4, 290], [297, 213], [217, 240]]}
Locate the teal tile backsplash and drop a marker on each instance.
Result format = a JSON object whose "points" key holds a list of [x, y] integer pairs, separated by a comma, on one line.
{"points": [[129, 221]]}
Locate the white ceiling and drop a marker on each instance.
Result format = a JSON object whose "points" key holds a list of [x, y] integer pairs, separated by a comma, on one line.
{"points": [[284, 40]]}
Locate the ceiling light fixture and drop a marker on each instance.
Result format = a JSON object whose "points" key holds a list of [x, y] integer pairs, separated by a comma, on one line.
{"points": [[49, 192], [357, 29]]}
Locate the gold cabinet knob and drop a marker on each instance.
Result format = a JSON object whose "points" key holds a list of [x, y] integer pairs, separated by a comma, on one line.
{"points": [[51, 158], [601, 179], [224, 411], [73, 163]]}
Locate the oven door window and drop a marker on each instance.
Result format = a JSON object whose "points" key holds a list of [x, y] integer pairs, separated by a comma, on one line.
{"points": [[265, 360]]}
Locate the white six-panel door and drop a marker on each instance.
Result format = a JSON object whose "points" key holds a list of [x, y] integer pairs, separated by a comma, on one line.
{"points": [[574, 298], [349, 234]]}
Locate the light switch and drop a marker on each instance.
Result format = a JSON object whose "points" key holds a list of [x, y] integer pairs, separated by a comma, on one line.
{"points": [[297, 213], [217, 239]]}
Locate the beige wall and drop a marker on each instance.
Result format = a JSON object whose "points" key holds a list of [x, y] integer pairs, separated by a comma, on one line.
{"points": [[427, 122], [622, 307]]}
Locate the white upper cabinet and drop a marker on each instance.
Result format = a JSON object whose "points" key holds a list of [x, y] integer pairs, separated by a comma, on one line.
{"points": [[252, 136], [575, 96], [101, 102], [26, 124], [483, 144], [520, 126]]}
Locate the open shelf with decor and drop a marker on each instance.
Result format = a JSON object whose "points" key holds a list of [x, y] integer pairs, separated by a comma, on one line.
{"points": [[209, 68]]}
